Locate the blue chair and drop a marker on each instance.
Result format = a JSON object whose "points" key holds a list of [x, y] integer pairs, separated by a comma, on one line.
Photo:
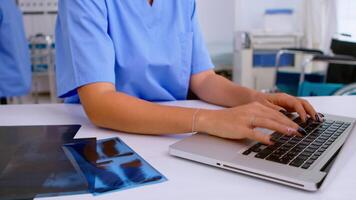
{"points": [[307, 88], [322, 88]]}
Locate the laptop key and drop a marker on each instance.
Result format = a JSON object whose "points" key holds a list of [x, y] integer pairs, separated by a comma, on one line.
{"points": [[284, 160], [289, 156], [264, 153], [322, 149], [247, 152], [313, 147], [278, 159], [273, 158], [276, 135], [273, 147], [297, 162], [317, 143], [306, 166], [338, 133], [256, 148], [309, 150], [261, 155], [322, 140], [307, 154], [346, 125], [302, 151], [324, 136], [288, 145]]}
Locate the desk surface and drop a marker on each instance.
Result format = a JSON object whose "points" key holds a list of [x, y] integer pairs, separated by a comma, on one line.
{"points": [[189, 180]]}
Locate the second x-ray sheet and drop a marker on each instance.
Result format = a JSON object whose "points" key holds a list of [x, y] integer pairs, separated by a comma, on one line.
{"points": [[110, 165]]}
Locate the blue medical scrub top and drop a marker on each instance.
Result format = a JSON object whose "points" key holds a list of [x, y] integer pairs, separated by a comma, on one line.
{"points": [[15, 64], [149, 52]]}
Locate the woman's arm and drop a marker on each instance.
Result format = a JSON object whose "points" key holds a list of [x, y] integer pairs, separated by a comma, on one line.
{"points": [[108, 108], [216, 89]]}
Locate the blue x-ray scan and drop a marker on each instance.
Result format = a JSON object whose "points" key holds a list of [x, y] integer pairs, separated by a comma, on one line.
{"points": [[46, 161], [111, 166]]}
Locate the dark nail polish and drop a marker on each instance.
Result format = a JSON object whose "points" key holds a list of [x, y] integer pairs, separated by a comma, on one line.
{"points": [[317, 118], [302, 131], [284, 112], [320, 114]]}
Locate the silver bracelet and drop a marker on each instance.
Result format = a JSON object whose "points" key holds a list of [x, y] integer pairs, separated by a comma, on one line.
{"points": [[194, 120]]}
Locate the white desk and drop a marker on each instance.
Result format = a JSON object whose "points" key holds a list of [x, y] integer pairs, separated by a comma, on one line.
{"points": [[189, 180]]}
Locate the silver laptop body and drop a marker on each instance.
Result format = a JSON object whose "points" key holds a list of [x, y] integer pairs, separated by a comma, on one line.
{"points": [[228, 155]]}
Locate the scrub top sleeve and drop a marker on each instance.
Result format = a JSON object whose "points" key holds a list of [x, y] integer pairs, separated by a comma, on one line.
{"points": [[201, 60], [85, 52], [15, 66]]}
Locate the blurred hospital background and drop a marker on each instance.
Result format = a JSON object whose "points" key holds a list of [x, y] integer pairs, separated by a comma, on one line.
{"points": [[302, 47]]}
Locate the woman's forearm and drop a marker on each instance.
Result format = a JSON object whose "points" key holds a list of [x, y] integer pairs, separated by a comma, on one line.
{"points": [[110, 109], [218, 90]]}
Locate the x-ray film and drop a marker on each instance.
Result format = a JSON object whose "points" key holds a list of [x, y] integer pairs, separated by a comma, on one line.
{"points": [[117, 166], [33, 163], [45, 161]]}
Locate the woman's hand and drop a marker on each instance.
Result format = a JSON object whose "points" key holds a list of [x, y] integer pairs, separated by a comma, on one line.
{"points": [[240, 122], [284, 102]]}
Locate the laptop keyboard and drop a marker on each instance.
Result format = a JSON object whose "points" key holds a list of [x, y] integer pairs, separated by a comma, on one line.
{"points": [[300, 151]]}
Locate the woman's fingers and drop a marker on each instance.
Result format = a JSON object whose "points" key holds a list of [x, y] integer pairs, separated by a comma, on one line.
{"points": [[240, 122], [302, 107], [273, 106], [258, 136], [299, 108], [275, 126], [310, 110], [278, 117]]}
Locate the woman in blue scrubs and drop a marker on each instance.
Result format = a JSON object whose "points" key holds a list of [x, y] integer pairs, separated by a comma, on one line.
{"points": [[117, 57], [15, 66]]}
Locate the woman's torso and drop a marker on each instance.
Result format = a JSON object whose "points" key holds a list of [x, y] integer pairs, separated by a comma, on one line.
{"points": [[153, 47]]}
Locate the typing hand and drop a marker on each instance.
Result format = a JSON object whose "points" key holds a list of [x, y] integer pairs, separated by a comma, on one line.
{"points": [[240, 122], [284, 102]]}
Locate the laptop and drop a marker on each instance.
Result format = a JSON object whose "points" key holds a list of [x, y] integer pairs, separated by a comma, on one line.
{"points": [[300, 162]]}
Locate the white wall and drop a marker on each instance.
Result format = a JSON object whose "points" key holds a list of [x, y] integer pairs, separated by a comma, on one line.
{"points": [[347, 16], [249, 13], [217, 19]]}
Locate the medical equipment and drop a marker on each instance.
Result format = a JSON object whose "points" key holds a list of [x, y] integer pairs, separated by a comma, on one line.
{"points": [[254, 57], [323, 87], [42, 58]]}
